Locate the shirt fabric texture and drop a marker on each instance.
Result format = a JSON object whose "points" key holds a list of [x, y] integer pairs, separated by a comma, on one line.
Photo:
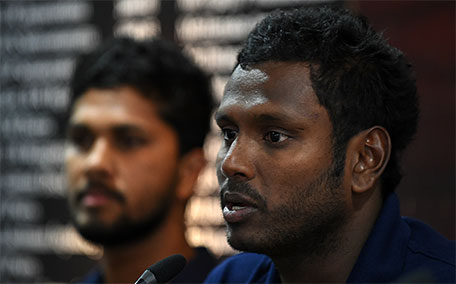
{"points": [[195, 271], [399, 249]]}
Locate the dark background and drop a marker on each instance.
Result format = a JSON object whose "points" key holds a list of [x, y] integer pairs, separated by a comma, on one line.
{"points": [[425, 32], [39, 41]]}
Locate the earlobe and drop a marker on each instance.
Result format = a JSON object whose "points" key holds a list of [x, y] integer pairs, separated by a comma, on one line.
{"points": [[372, 152], [190, 167]]}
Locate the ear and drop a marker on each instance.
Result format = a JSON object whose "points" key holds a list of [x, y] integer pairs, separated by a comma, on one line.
{"points": [[370, 152], [190, 166]]}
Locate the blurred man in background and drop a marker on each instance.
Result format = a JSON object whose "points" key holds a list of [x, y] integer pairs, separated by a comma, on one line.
{"points": [[139, 115], [315, 118]]}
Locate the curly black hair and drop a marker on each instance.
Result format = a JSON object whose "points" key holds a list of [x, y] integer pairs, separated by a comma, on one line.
{"points": [[160, 72], [357, 76]]}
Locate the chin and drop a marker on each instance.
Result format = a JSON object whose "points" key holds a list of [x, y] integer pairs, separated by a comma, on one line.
{"points": [[246, 240], [89, 220]]}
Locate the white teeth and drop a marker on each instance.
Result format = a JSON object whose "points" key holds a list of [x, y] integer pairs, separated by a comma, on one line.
{"points": [[238, 207]]}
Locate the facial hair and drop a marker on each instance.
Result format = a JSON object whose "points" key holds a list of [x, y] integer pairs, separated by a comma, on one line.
{"points": [[307, 222], [125, 230]]}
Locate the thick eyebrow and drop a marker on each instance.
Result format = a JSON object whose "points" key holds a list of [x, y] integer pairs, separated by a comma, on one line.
{"points": [[278, 118], [122, 128], [73, 127], [268, 118], [264, 118], [220, 116], [223, 118], [118, 128]]}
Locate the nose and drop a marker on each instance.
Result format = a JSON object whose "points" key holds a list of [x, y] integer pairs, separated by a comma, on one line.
{"points": [[235, 161], [99, 160]]}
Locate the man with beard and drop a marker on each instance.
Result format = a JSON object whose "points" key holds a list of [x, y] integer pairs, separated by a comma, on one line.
{"points": [[140, 111], [314, 118]]}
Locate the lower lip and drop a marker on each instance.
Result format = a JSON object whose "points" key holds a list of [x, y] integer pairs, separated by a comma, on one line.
{"points": [[239, 215], [95, 200]]}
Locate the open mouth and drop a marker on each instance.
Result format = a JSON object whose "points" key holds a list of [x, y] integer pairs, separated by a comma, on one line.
{"points": [[236, 201], [237, 207]]}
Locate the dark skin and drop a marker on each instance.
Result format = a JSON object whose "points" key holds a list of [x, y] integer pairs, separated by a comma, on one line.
{"points": [[278, 141]]}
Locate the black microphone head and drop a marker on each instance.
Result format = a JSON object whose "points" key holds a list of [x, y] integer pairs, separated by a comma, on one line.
{"points": [[168, 268]]}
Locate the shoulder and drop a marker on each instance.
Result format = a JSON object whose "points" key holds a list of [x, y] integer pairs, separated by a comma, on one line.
{"points": [[430, 251], [243, 268]]}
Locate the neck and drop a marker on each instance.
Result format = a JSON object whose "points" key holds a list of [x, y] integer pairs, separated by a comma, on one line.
{"points": [[335, 265], [124, 264]]}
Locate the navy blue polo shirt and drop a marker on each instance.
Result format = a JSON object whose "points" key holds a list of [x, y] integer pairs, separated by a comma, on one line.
{"points": [[398, 249]]}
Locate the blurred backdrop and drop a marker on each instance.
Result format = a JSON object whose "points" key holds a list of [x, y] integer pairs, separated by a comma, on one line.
{"points": [[39, 41]]}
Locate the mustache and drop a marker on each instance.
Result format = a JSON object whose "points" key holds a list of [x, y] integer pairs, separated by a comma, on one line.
{"points": [[101, 187], [244, 189]]}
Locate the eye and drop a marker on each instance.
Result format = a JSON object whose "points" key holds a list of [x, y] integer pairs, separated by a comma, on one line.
{"points": [[229, 134], [275, 137], [81, 137], [129, 142]]}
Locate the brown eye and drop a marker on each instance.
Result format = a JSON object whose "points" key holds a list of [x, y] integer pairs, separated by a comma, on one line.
{"points": [[80, 137], [129, 142], [275, 137], [229, 134]]}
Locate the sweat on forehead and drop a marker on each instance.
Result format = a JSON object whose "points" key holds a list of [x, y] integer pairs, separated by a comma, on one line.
{"points": [[269, 78], [249, 76], [284, 85]]}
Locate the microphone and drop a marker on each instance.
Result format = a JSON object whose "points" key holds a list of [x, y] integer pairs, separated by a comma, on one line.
{"points": [[163, 271]]}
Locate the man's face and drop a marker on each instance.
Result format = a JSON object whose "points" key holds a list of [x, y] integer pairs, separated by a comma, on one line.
{"points": [[279, 190], [121, 164]]}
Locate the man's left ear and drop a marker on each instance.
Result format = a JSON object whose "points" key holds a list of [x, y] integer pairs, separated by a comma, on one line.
{"points": [[370, 152], [190, 167]]}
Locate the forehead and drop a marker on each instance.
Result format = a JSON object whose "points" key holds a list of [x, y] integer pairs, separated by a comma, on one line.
{"points": [[276, 87], [117, 105]]}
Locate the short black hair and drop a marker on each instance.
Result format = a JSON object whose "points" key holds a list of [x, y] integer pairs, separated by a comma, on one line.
{"points": [[159, 71], [357, 76]]}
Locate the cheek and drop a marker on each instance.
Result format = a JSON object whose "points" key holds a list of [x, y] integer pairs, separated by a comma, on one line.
{"points": [[147, 171], [283, 177], [73, 168], [146, 178], [218, 164]]}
